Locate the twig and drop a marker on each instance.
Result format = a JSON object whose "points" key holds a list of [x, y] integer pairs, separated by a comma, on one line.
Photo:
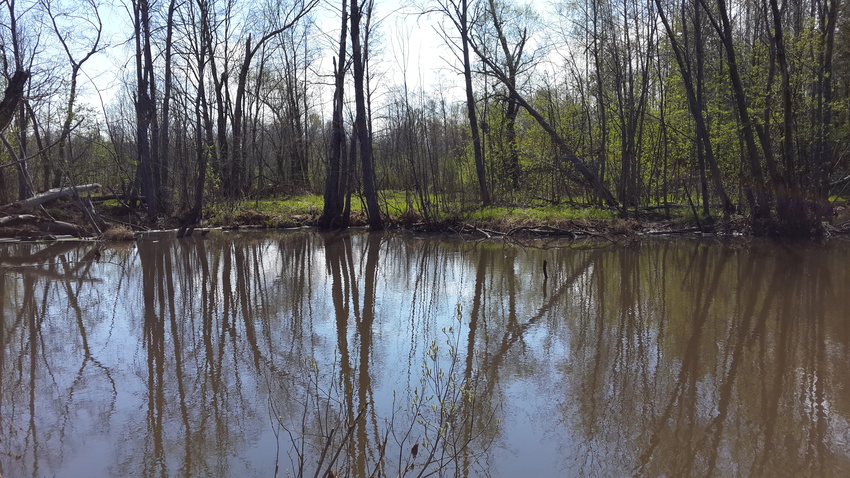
{"points": [[344, 440]]}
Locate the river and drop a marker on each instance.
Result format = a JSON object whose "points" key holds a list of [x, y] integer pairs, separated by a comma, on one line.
{"points": [[283, 353]]}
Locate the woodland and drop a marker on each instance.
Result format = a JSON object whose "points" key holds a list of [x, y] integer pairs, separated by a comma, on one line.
{"points": [[728, 109]]}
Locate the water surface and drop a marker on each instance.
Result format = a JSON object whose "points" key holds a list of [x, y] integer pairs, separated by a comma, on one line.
{"points": [[241, 354]]}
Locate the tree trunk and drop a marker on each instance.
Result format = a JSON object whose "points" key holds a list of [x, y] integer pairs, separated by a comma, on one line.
{"points": [[334, 186], [13, 95], [145, 106], [822, 159], [755, 184], [696, 101], [559, 141], [364, 137], [471, 114], [165, 158], [39, 199], [512, 64], [12, 103]]}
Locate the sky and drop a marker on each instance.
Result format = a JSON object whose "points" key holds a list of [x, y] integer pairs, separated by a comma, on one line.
{"points": [[409, 44]]}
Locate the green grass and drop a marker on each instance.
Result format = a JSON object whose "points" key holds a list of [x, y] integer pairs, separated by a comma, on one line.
{"points": [[283, 212], [396, 203], [538, 214], [297, 205]]}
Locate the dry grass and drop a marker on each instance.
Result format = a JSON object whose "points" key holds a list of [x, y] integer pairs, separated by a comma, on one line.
{"points": [[117, 233], [624, 227]]}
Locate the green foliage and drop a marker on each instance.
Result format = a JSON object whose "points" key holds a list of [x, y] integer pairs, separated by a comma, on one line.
{"points": [[611, 89]]}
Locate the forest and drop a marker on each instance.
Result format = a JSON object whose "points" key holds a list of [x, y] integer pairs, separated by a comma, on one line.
{"points": [[728, 108]]}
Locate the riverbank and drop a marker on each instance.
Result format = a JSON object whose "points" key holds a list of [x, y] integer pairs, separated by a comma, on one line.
{"points": [[119, 222], [501, 220]]}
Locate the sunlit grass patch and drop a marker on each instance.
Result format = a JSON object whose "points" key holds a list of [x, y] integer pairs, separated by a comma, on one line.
{"points": [[281, 212], [294, 205], [402, 207], [537, 215]]}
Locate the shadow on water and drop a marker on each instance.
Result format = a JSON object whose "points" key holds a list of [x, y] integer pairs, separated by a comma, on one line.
{"points": [[384, 355]]}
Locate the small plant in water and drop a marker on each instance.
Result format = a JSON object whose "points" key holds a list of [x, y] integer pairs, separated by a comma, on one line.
{"points": [[443, 431], [117, 233]]}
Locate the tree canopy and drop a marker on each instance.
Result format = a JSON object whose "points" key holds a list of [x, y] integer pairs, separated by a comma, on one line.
{"points": [[734, 107]]}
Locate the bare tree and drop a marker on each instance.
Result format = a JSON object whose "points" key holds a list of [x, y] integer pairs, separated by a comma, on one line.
{"points": [[509, 21], [12, 97], [336, 184], [361, 128], [630, 54], [565, 150], [205, 144], [145, 103], [290, 17], [165, 159], [459, 15], [14, 104], [88, 21]]}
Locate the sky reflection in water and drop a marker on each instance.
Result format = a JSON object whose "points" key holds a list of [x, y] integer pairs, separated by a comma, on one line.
{"points": [[203, 357]]}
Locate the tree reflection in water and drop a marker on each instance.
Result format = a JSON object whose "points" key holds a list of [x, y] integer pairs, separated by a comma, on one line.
{"points": [[200, 356]]}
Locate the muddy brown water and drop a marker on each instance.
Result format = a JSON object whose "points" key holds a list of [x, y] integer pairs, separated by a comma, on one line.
{"points": [[274, 354]]}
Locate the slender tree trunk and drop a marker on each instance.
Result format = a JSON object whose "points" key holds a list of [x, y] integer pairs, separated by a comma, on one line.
{"points": [[334, 185], [11, 103], [203, 155], [145, 107], [361, 129], [789, 206], [164, 157], [204, 139], [471, 114], [513, 58], [563, 147], [231, 169], [239, 106], [822, 159], [600, 99], [695, 97], [25, 185], [63, 156], [755, 184]]}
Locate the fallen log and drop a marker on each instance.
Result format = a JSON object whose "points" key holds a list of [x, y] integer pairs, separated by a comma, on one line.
{"points": [[34, 223], [116, 197], [64, 228], [50, 195], [13, 221]]}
